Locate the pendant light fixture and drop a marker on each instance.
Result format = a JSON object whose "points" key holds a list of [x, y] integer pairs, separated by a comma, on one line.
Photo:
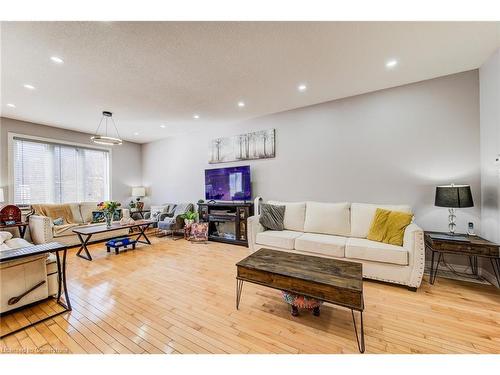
{"points": [[105, 139]]}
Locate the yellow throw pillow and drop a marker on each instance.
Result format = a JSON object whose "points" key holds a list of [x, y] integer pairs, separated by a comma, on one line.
{"points": [[396, 224], [379, 225]]}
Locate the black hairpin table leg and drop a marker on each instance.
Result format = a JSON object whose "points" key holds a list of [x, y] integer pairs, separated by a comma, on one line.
{"points": [[433, 278], [239, 288], [495, 263], [361, 337]]}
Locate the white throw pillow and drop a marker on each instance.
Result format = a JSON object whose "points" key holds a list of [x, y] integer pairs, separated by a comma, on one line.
{"points": [[4, 236], [17, 243], [295, 214], [362, 216], [156, 211], [327, 218]]}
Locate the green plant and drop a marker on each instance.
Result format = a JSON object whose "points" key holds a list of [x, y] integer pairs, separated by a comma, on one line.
{"points": [[190, 215], [108, 206]]}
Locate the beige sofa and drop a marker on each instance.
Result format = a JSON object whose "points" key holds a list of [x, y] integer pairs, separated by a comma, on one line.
{"points": [[18, 276], [43, 230], [339, 230]]}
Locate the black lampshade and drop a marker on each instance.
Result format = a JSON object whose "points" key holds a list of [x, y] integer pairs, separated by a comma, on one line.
{"points": [[454, 196]]}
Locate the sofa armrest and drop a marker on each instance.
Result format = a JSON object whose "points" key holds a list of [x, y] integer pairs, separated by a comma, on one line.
{"points": [[413, 242], [40, 229], [253, 228]]}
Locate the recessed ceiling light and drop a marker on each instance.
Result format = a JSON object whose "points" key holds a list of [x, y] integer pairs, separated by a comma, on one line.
{"points": [[163, 126], [57, 60], [302, 88], [196, 117], [11, 105], [391, 63], [241, 104], [29, 87], [136, 133]]}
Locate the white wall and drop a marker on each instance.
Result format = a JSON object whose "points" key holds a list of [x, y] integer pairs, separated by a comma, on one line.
{"points": [[125, 159], [489, 75], [390, 146]]}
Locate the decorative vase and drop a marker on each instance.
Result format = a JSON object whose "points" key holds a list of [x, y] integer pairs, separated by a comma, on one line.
{"points": [[188, 222], [109, 218]]}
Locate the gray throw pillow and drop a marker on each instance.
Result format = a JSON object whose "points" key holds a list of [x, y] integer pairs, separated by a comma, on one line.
{"points": [[272, 216]]}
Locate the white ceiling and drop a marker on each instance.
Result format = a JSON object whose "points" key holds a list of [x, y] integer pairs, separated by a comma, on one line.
{"points": [[154, 73]]}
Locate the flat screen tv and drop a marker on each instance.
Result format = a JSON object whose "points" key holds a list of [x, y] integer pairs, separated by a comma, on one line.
{"points": [[228, 184]]}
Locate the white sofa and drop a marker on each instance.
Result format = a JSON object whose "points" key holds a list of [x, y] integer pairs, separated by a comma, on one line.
{"points": [[339, 230], [43, 230], [20, 275]]}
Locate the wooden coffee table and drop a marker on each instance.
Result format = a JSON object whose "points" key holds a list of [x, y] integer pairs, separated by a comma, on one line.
{"points": [[333, 281], [85, 233]]}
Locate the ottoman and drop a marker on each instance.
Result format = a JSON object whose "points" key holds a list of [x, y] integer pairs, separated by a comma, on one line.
{"points": [[297, 301]]}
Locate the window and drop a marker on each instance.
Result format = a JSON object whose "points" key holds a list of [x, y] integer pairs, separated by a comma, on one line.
{"points": [[45, 172]]}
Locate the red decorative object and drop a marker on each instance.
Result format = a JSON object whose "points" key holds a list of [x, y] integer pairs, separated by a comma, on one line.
{"points": [[9, 214]]}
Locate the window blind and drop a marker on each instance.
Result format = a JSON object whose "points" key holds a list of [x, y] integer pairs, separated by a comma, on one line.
{"points": [[57, 173]]}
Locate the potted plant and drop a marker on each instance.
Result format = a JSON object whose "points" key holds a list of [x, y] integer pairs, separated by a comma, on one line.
{"points": [[109, 208], [189, 217]]}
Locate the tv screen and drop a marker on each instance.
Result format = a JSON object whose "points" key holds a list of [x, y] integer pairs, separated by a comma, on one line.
{"points": [[228, 184]]}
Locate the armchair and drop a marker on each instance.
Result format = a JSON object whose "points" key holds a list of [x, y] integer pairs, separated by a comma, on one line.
{"points": [[174, 222]]}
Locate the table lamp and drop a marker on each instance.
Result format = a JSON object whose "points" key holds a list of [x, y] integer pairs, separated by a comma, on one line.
{"points": [[139, 192], [453, 196]]}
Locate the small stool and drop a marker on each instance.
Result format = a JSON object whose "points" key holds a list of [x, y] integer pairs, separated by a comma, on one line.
{"points": [[297, 301], [198, 232], [118, 243]]}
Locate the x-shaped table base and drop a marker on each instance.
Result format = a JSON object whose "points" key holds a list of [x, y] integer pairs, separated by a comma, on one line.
{"points": [[85, 240]]}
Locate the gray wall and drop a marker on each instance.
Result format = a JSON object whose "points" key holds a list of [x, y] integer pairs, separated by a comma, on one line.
{"points": [[489, 75], [390, 146], [125, 159]]}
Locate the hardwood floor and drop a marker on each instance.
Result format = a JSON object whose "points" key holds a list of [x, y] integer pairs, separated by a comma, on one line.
{"points": [[176, 297]]}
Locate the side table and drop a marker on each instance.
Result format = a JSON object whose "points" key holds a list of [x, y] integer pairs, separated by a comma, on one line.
{"points": [[465, 245]]}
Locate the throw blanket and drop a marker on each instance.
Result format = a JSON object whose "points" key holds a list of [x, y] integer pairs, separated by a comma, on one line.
{"points": [[59, 229], [55, 211]]}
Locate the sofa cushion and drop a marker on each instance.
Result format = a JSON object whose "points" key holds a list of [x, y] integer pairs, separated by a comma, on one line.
{"points": [[75, 210], [284, 239], [327, 218], [360, 248], [362, 216], [86, 209], [295, 214], [323, 244], [17, 243], [4, 236], [64, 230]]}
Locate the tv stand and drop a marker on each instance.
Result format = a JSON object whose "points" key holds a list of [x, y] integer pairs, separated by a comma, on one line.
{"points": [[227, 221]]}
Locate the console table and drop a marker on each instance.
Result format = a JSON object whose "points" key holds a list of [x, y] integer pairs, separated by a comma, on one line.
{"points": [[231, 216], [29, 251], [465, 245]]}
